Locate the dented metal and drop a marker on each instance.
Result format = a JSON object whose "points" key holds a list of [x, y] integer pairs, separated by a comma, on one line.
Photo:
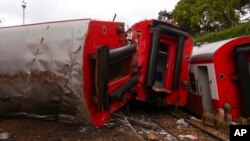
{"points": [[41, 71]]}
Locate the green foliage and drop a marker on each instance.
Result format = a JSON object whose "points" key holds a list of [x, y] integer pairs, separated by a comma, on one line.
{"points": [[240, 30], [165, 15], [203, 16], [182, 14]]}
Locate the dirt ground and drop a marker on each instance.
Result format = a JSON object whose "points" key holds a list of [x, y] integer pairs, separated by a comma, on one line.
{"points": [[118, 128], [39, 130]]}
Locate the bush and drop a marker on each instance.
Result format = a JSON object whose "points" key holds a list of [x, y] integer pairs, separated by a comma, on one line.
{"points": [[240, 30]]}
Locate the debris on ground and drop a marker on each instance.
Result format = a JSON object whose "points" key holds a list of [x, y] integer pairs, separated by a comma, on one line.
{"points": [[195, 119], [4, 136], [82, 129], [162, 132], [181, 122], [152, 136], [152, 125], [192, 137]]}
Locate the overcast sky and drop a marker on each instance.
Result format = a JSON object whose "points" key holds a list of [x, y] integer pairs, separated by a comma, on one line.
{"points": [[128, 11]]}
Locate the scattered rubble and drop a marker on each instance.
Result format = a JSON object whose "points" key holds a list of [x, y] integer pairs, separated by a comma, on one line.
{"points": [[192, 137], [4, 136], [135, 126], [182, 122], [152, 136]]}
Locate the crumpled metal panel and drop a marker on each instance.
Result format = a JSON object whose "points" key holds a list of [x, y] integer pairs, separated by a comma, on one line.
{"points": [[41, 71]]}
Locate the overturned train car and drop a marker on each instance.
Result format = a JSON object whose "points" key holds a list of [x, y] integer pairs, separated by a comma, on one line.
{"points": [[83, 70], [164, 53], [219, 77], [63, 70]]}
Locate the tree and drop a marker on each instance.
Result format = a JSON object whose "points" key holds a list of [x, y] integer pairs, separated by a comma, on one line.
{"points": [[182, 15], [244, 9], [244, 6], [201, 16], [165, 15]]}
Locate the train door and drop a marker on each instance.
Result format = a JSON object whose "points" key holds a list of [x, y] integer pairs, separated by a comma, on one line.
{"points": [[204, 88], [165, 59], [164, 67], [242, 56]]}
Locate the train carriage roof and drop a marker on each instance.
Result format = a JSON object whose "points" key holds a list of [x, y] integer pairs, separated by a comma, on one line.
{"points": [[207, 51]]}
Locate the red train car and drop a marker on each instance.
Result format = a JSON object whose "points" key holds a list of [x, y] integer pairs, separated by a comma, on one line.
{"points": [[163, 52], [220, 78], [68, 70], [83, 70]]}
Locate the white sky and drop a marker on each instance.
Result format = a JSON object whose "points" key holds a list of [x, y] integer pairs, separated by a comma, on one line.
{"points": [[128, 11]]}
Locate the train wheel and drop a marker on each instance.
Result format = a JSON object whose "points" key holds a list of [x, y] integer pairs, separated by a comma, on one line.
{"points": [[218, 117]]}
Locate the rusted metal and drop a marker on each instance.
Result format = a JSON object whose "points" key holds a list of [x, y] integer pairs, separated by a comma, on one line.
{"points": [[219, 117], [215, 118], [41, 71], [208, 118], [43, 75], [242, 121], [60, 70]]}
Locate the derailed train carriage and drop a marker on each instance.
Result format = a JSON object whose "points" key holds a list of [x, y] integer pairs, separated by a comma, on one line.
{"points": [[220, 80], [60, 70], [83, 70], [164, 53]]}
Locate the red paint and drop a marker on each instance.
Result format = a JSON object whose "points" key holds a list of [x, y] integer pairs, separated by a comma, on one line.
{"points": [[102, 33], [228, 89], [141, 32], [194, 104], [96, 38], [202, 62]]}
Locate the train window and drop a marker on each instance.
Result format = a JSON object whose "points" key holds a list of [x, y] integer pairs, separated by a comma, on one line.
{"points": [[161, 65], [163, 48], [119, 69], [192, 82]]}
